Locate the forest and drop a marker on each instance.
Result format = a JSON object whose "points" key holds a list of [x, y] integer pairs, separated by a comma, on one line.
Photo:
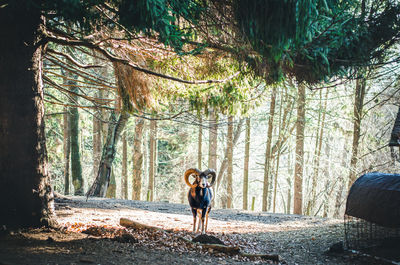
{"points": [[246, 128], [288, 101]]}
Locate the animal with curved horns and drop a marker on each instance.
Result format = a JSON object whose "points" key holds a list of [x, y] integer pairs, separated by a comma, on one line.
{"points": [[200, 196]]}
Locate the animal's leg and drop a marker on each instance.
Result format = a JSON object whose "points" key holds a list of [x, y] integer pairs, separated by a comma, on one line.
{"points": [[199, 213], [203, 218], [208, 212], [194, 212]]}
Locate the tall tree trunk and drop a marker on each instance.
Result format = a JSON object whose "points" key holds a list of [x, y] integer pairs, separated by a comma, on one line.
{"points": [[152, 160], [358, 108], [213, 142], [124, 177], [76, 167], [67, 150], [289, 183], [26, 196], [100, 184], [246, 166], [276, 181], [229, 176], [97, 132], [299, 158], [146, 151], [137, 160], [268, 149], [329, 186], [200, 143], [281, 128]]}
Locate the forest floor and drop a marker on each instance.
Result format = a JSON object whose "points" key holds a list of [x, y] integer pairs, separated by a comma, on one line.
{"points": [[90, 234]]}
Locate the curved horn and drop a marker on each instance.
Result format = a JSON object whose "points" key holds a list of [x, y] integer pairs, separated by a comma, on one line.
{"points": [[189, 172], [212, 173]]}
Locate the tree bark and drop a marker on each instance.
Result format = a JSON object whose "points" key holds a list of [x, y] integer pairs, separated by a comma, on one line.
{"points": [[200, 143], [299, 158], [100, 184], [152, 162], [213, 142], [76, 167], [280, 126], [358, 108], [26, 196], [112, 186], [124, 178], [229, 184], [137, 160], [97, 133], [289, 183], [328, 182], [246, 166], [268, 149], [67, 150]]}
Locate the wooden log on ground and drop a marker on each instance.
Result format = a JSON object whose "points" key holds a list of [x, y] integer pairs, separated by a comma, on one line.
{"points": [[136, 225]]}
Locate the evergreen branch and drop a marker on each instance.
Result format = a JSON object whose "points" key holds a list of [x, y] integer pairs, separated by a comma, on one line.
{"points": [[113, 58]]}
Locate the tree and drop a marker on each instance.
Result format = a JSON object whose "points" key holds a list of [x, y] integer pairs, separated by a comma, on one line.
{"points": [[152, 159], [115, 128], [67, 150], [26, 198], [246, 166], [76, 167], [358, 114], [299, 157], [137, 160], [200, 143], [229, 177], [124, 175], [213, 142], [268, 150]]}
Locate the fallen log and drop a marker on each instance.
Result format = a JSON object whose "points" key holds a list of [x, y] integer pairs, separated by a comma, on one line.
{"points": [[218, 247], [136, 225]]}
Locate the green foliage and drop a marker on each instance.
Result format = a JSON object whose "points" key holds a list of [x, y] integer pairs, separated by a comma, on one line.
{"points": [[161, 16], [314, 40]]}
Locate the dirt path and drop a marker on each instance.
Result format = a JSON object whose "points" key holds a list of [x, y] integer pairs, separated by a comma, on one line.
{"points": [[297, 239]]}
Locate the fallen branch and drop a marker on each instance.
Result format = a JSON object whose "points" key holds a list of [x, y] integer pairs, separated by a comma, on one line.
{"points": [[218, 247], [136, 225]]}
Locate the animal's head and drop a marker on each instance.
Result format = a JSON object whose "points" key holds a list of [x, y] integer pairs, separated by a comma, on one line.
{"points": [[202, 179]]}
